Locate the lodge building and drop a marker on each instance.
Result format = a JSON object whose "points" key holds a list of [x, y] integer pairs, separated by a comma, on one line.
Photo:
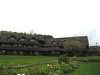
{"points": [[24, 44]]}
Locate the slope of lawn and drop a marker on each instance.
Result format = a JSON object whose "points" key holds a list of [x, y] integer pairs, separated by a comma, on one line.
{"points": [[91, 68], [12, 59]]}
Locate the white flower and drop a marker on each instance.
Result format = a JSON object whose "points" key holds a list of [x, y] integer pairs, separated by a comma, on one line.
{"points": [[48, 65], [18, 74], [54, 65]]}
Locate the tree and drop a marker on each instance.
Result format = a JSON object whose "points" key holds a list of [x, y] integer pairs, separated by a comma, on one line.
{"points": [[73, 45]]}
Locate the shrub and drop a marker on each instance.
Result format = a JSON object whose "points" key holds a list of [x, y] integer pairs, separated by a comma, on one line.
{"points": [[63, 59], [66, 68]]}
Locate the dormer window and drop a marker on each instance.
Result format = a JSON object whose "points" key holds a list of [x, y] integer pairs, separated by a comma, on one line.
{"points": [[32, 40], [22, 39], [12, 38]]}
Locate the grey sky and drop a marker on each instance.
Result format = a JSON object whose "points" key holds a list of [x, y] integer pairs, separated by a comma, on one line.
{"points": [[60, 18]]}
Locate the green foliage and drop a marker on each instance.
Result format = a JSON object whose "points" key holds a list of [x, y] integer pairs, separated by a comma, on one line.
{"points": [[70, 66], [89, 59], [67, 64], [66, 68], [47, 68], [73, 44], [63, 59], [40, 69]]}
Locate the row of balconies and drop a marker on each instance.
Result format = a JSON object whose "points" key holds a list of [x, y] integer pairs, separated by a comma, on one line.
{"points": [[13, 39], [30, 52], [27, 43], [18, 45]]}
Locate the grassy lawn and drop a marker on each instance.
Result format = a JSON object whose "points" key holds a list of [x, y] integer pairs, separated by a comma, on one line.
{"points": [[88, 69], [12, 59], [91, 67], [33, 64]]}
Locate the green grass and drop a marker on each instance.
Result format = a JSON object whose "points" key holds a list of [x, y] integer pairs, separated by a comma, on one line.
{"points": [[11, 59], [85, 68], [33, 64], [91, 67], [88, 69], [91, 58]]}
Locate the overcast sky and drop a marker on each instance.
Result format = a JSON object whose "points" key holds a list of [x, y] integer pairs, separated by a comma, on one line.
{"points": [[60, 18]]}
